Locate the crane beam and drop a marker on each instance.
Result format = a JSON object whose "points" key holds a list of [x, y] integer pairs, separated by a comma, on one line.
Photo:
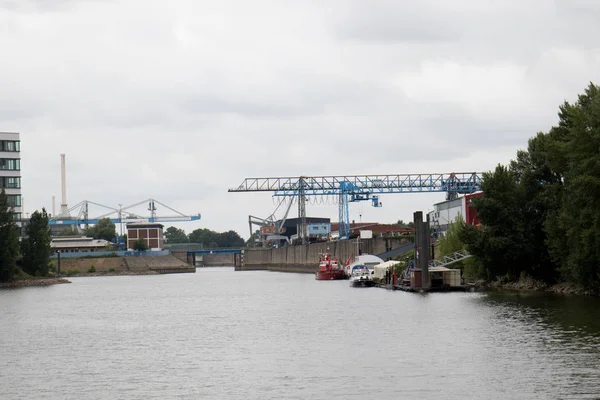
{"points": [[363, 185], [94, 221]]}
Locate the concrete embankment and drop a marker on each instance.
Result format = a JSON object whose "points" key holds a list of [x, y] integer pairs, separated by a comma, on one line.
{"points": [[124, 265], [306, 258]]}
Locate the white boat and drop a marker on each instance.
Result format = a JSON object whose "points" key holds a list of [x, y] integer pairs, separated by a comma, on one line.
{"points": [[361, 276], [367, 260]]}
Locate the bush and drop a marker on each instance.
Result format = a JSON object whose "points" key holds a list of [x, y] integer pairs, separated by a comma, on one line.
{"points": [[92, 269], [52, 267], [111, 270], [111, 255], [140, 245], [71, 272]]}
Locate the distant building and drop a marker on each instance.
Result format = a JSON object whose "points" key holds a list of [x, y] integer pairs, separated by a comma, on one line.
{"points": [[78, 244], [447, 212], [10, 170], [375, 227], [290, 225], [150, 232]]}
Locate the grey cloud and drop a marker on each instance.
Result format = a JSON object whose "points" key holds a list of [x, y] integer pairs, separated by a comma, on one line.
{"points": [[33, 6], [170, 102]]}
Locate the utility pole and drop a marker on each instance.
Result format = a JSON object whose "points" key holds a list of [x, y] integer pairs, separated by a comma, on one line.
{"points": [[302, 211], [120, 222]]}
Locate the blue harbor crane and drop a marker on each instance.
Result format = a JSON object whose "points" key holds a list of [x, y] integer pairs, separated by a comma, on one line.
{"points": [[354, 188], [117, 215]]}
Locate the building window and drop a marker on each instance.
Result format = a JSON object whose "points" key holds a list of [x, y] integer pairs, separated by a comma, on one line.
{"points": [[10, 182], [14, 200], [17, 216], [10, 145], [10, 164]]}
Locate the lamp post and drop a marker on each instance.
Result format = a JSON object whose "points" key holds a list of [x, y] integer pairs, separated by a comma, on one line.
{"points": [[120, 223], [58, 263]]}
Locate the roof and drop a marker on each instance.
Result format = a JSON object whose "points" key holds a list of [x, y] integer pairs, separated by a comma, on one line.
{"points": [[386, 264], [78, 243], [63, 239], [366, 259], [374, 226], [144, 225]]}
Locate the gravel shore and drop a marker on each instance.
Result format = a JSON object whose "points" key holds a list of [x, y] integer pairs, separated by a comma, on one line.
{"points": [[34, 282]]}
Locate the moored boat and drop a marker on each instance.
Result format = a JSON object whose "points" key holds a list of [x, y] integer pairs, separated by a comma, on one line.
{"points": [[361, 276], [369, 261], [329, 269]]}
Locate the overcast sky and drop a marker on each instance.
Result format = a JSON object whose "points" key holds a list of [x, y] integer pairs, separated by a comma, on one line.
{"points": [[181, 100]]}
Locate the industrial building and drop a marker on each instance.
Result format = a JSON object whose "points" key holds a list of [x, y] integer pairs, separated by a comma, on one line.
{"points": [[150, 232], [78, 244], [447, 212], [10, 170], [375, 227], [316, 228]]}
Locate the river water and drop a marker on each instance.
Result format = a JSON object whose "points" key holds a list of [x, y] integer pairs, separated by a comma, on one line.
{"points": [[220, 334]]}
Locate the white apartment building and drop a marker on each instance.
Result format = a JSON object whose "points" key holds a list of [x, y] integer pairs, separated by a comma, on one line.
{"points": [[10, 170]]}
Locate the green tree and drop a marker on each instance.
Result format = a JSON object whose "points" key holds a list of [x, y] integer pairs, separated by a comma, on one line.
{"points": [[541, 216], [229, 239], [140, 245], [403, 224], [203, 235], [499, 245], [68, 232], [573, 233], [211, 238], [104, 229], [174, 235], [252, 240], [450, 242], [35, 247], [9, 240]]}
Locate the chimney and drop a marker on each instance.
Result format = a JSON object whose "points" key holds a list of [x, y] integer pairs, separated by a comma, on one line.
{"points": [[64, 210]]}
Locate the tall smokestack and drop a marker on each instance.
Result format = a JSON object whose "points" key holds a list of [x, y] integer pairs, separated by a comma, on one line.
{"points": [[64, 210], [54, 206]]}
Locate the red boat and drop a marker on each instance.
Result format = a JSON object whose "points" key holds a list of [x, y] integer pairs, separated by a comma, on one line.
{"points": [[329, 269]]}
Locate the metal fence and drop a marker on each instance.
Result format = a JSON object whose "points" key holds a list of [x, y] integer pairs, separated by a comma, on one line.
{"points": [[98, 254]]}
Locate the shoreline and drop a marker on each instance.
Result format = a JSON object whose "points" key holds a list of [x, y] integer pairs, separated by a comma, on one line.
{"points": [[63, 279], [33, 282], [531, 285]]}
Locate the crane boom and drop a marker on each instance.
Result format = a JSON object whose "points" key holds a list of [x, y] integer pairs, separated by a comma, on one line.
{"points": [[462, 182]]}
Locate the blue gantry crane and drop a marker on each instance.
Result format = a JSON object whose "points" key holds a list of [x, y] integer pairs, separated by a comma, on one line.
{"points": [[117, 215], [353, 188]]}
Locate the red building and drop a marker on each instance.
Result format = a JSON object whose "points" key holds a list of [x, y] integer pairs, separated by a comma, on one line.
{"points": [[150, 232], [470, 213]]}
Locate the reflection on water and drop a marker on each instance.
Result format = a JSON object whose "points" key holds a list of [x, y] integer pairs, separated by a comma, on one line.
{"points": [[264, 335]]}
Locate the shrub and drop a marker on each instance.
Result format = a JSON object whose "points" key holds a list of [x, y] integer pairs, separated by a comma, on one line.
{"points": [[111, 270], [92, 269], [71, 272]]}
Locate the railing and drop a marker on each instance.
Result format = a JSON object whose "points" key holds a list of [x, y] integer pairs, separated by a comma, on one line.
{"points": [[450, 259], [99, 254]]}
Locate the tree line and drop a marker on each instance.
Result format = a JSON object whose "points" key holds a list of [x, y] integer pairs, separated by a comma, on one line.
{"points": [[540, 215], [31, 254], [104, 229], [207, 237]]}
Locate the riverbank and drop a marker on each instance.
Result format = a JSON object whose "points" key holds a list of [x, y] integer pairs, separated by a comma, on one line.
{"points": [[33, 282], [532, 285]]}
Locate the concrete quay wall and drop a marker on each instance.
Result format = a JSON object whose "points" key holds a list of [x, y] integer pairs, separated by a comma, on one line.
{"points": [[306, 258]]}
